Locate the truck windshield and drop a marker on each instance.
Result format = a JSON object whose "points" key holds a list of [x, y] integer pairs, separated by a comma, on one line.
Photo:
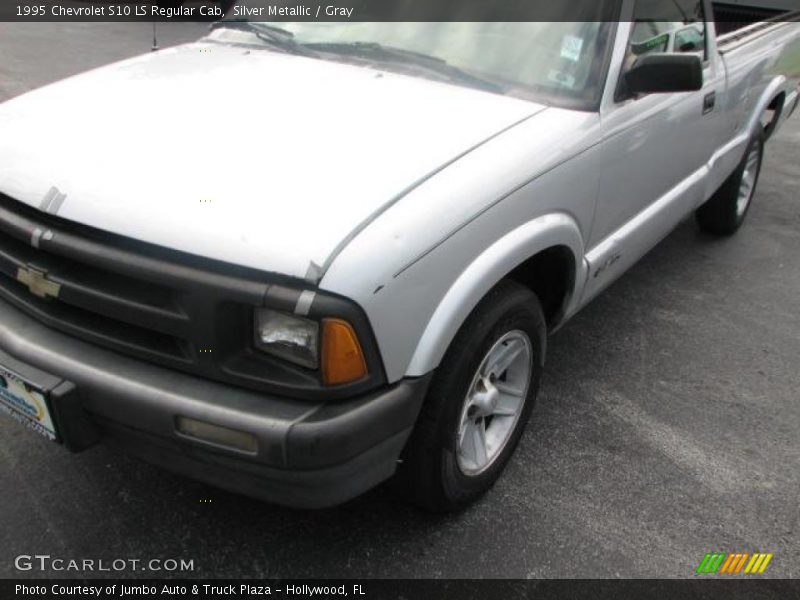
{"points": [[557, 63]]}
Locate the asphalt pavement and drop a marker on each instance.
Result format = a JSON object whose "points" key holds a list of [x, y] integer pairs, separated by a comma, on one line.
{"points": [[667, 427]]}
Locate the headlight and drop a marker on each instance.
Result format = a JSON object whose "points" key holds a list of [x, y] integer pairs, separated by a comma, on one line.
{"points": [[292, 338], [297, 340]]}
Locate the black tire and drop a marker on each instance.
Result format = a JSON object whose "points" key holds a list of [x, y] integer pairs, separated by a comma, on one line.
{"points": [[721, 215], [429, 474]]}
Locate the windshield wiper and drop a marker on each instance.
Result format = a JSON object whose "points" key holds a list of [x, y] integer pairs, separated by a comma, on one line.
{"points": [[282, 39], [374, 51]]}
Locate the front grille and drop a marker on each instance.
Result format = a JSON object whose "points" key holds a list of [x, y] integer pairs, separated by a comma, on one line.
{"points": [[100, 306], [170, 308], [152, 303]]}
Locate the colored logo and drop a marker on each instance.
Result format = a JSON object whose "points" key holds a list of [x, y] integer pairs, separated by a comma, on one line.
{"points": [[734, 563]]}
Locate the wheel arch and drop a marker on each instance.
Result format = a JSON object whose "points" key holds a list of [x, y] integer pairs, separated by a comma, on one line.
{"points": [[527, 254], [773, 98]]}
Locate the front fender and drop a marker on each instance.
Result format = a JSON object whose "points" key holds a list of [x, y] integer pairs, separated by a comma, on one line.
{"points": [[486, 271]]}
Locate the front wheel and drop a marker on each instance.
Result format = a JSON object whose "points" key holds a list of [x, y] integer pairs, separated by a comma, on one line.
{"points": [[478, 404], [725, 212]]}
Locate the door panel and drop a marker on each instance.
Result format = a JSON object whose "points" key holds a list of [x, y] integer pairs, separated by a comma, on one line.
{"points": [[653, 148]]}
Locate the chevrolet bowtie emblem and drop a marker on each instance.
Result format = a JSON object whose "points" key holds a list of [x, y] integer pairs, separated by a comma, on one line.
{"points": [[38, 283]]}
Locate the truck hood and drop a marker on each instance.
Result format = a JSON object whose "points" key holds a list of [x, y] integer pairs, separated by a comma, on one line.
{"points": [[251, 157]]}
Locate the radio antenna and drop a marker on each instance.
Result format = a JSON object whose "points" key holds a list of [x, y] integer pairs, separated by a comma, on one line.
{"points": [[155, 39]]}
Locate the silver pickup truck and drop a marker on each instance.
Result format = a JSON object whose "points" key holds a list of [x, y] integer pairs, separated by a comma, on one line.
{"points": [[295, 260]]}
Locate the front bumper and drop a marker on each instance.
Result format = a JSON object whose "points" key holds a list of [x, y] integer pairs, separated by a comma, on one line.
{"points": [[310, 454]]}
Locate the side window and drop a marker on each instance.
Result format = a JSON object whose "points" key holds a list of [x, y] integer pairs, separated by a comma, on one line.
{"points": [[668, 26]]}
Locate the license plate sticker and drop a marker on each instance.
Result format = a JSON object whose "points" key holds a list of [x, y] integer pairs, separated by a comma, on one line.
{"points": [[26, 404]]}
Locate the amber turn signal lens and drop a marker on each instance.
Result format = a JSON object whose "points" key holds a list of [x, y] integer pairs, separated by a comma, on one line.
{"points": [[342, 357]]}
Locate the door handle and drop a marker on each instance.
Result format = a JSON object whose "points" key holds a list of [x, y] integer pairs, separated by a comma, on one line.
{"points": [[709, 102]]}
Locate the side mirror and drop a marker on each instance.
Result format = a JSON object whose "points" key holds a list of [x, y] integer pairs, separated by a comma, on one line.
{"points": [[664, 73]]}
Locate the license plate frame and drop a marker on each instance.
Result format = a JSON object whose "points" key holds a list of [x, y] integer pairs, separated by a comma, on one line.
{"points": [[27, 403]]}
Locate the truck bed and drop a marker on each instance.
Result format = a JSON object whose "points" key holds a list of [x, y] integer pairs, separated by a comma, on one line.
{"points": [[735, 15], [776, 26], [753, 56], [744, 33]]}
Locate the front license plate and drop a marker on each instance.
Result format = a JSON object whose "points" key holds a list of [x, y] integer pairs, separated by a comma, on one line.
{"points": [[26, 403]]}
